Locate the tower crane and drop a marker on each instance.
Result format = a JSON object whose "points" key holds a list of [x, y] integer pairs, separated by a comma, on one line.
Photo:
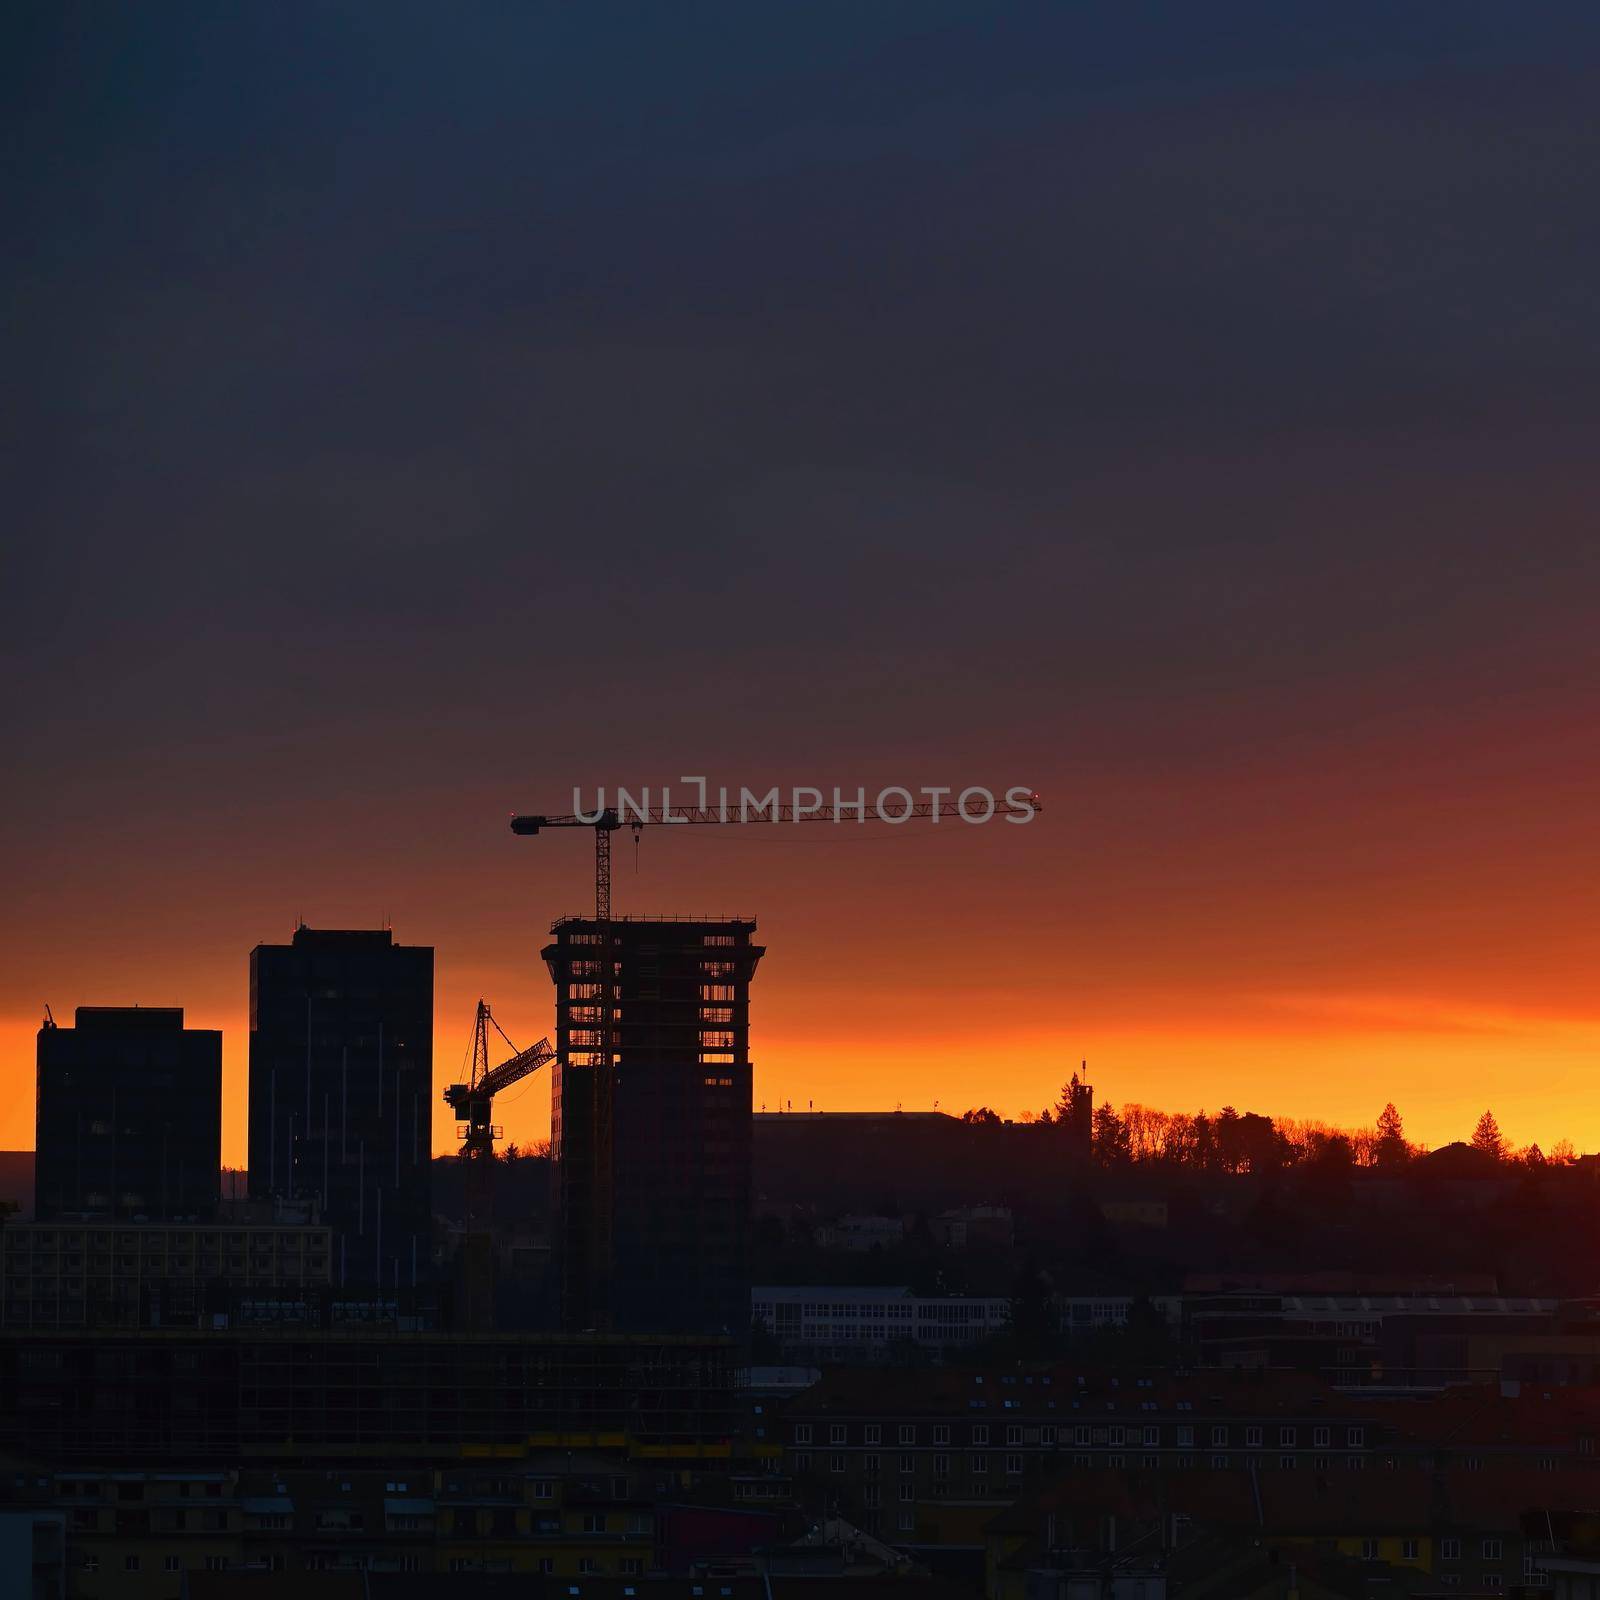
{"points": [[473, 1101], [473, 1104], [609, 819], [604, 823]]}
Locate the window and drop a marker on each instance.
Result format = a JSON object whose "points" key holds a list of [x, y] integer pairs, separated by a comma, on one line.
{"points": [[1014, 1466], [1013, 1434], [1219, 1461], [908, 1522], [980, 1433], [1493, 1550], [1286, 1438], [802, 1461], [1286, 1463], [1408, 1549], [1369, 1549], [544, 1489], [908, 1433], [1186, 1437], [802, 1433], [908, 1492], [1219, 1436], [871, 1465], [941, 1466], [171, 1563], [1355, 1437], [1252, 1437], [594, 1522], [872, 1433], [836, 1433], [1321, 1438], [130, 1563], [1491, 1580], [980, 1466], [1153, 1435], [836, 1462], [1449, 1549], [908, 1463], [941, 1433]]}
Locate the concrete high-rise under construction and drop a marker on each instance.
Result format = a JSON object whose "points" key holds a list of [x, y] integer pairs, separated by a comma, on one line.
{"points": [[651, 1164], [341, 1093]]}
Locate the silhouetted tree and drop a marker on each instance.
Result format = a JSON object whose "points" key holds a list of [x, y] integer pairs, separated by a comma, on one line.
{"points": [[1486, 1137], [1032, 1311], [1392, 1150], [1067, 1103], [1110, 1138], [981, 1116]]}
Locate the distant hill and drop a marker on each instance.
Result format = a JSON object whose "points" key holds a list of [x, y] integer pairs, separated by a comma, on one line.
{"points": [[16, 1179]]}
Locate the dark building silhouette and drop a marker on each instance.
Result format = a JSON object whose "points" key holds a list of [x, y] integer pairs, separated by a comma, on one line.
{"points": [[129, 1118], [341, 1093], [652, 1224]]}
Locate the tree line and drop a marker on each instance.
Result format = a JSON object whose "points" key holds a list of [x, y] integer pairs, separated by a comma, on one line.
{"points": [[1230, 1141]]}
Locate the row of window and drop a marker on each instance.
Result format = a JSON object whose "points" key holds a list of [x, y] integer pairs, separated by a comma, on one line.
{"points": [[871, 1465], [1112, 1434], [978, 1465]]}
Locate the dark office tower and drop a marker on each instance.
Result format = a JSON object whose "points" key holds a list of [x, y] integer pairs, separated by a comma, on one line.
{"points": [[129, 1116], [341, 1093], [669, 1253]]}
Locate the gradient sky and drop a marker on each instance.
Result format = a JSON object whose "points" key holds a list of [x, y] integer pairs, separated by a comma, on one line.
{"points": [[1189, 411]]}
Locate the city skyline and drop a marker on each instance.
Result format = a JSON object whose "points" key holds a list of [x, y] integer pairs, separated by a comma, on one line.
{"points": [[524, 1112], [1194, 420]]}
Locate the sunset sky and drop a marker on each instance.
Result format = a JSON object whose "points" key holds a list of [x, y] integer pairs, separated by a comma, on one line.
{"points": [[1191, 412]]}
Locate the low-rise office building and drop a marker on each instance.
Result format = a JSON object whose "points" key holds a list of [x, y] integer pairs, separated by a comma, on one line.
{"points": [[70, 1274], [836, 1324]]}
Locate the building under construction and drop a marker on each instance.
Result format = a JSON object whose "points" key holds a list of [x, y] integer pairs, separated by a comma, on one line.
{"points": [[650, 1130]]}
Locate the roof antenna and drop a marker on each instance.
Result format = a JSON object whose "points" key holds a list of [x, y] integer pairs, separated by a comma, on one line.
{"points": [[49, 1021]]}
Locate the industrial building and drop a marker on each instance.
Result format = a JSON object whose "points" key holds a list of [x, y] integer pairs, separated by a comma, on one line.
{"points": [[129, 1116], [341, 1092], [651, 1161]]}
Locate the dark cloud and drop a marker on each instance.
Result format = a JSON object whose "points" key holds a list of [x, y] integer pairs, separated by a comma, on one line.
{"points": [[923, 377]]}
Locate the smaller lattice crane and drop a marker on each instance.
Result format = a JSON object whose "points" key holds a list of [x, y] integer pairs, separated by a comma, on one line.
{"points": [[473, 1101], [473, 1104]]}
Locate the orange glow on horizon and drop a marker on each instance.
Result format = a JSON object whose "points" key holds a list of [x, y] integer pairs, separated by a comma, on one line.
{"points": [[1441, 1066]]}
